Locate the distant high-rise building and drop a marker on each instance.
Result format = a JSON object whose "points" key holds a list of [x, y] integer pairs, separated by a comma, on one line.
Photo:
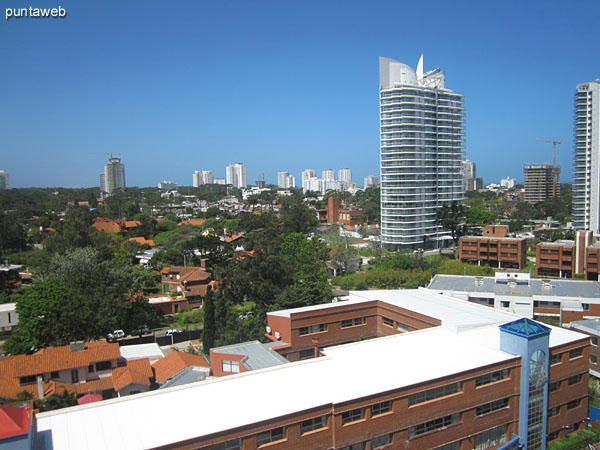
{"points": [[328, 174], [371, 181], [508, 182], [114, 175], [167, 186], [202, 177], [538, 182], [236, 175], [586, 158], [4, 180], [422, 140], [469, 173], [285, 180], [345, 175], [307, 175], [102, 183], [220, 181]]}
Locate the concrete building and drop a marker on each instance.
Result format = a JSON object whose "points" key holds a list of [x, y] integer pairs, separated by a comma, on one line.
{"points": [[503, 252], [438, 373], [167, 185], [371, 181], [328, 175], [469, 173], [308, 174], [236, 175], [422, 141], [4, 180], [202, 177], [114, 175], [345, 175], [508, 182], [538, 182], [285, 180], [586, 158]]}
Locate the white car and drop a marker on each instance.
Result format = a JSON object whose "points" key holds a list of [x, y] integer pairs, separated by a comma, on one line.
{"points": [[118, 334], [172, 332]]}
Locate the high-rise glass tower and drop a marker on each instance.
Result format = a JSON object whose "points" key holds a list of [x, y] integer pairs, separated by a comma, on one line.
{"points": [[422, 142], [586, 158], [114, 175]]}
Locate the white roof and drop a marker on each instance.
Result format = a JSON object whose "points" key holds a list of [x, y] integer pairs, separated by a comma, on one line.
{"points": [[140, 351], [7, 307], [137, 422]]}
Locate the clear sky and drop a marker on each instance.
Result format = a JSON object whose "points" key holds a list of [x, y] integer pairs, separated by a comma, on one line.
{"points": [[178, 86]]}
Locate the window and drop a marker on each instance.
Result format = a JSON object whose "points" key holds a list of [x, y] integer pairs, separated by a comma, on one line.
{"points": [[594, 341], [573, 404], [381, 441], [104, 365], [381, 408], [74, 376], [555, 359], [574, 379], [586, 306], [313, 329], [431, 394], [54, 375], [576, 353], [231, 366], [27, 380], [490, 438], [553, 411], [552, 436], [90, 368], [235, 444], [402, 327], [490, 407], [313, 424], [388, 322], [359, 446], [505, 304], [352, 322], [353, 415], [433, 425], [555, 386], [306, 354], [276, 434], [491, 377], [593, 359]]}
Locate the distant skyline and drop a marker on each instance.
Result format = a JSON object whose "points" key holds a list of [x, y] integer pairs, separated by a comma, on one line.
{"points": [[278, 86]]}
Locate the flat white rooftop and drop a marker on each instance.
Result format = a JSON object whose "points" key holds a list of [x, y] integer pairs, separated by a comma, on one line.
{"points": [[172, 415]]}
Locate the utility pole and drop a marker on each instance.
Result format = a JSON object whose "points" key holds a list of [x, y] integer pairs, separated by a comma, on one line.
{"points": [[554, 142]]}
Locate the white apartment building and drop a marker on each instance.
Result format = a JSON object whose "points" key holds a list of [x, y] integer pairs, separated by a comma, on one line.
{"points": [[422, 142], [285, 180], [328, 174], [469, 173], [113, 177], [202, 177], [307, 175], [4, 180], [586, 158], [345, 175], [167, 185], [236, 175], [508, 182], [370, 181]]}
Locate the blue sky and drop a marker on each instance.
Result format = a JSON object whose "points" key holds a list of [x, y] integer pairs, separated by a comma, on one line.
{"points": [[279, 85]]}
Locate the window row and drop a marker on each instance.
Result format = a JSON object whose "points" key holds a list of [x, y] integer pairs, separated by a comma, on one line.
{"points": [[491, 407], [433, 424], [359, 413], [352, 322], [313, 329], [431, 394], [376, 442], [491, 377]]}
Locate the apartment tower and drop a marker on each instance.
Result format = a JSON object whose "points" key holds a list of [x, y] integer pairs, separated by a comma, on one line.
{"points": [[539, 182], [114, 175], [236, 175], [586, 158], [422, 142]]}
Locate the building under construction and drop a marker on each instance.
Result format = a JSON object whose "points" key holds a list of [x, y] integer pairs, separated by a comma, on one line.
{"points": [[539, 182]]}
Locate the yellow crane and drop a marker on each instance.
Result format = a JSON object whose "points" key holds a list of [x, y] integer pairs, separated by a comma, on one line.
{"points": [[554, 142]]}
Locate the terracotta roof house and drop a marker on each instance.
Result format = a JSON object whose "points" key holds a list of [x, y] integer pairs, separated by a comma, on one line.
{"points": [[189, 282], [81, 368], [142, 241], [179, 368], [107, 225], [194, 222], [132, 224]]}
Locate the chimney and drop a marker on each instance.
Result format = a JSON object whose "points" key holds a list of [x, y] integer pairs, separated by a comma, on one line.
{"points": [[40, 387]]}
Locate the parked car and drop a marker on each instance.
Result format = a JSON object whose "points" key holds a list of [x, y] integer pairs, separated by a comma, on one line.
{"points": [[172, 332], [118, 334], [143, 329]]}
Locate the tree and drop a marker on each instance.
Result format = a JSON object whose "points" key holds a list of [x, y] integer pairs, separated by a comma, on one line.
{"points": [[57, 401], [451, 218], [208, 331], [297, 216]]}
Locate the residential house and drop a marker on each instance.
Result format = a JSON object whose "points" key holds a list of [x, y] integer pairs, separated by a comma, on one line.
{"points": [[188, 282], [179, 368]]}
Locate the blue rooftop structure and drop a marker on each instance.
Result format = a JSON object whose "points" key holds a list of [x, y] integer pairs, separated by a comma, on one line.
{"points": [[526, 328]]}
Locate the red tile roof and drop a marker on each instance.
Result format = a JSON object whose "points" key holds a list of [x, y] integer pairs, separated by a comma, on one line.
{"points": [[137, 371], [232, 238], [142, 241], [14, 420], [174, 363], [187, 273], [107, 225], [132, 223], [195, 222]]}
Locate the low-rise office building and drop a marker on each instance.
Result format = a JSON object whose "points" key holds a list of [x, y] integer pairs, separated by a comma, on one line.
{"points": [[555, 259], [501, 252], [467, 377]]}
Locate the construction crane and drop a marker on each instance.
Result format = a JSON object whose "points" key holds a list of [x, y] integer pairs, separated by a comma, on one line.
{"points": [[554, 142]]}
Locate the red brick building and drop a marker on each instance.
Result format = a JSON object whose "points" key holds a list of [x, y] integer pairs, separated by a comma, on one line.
{"points": [[499, 252], [190, 283], [555, 259]]}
